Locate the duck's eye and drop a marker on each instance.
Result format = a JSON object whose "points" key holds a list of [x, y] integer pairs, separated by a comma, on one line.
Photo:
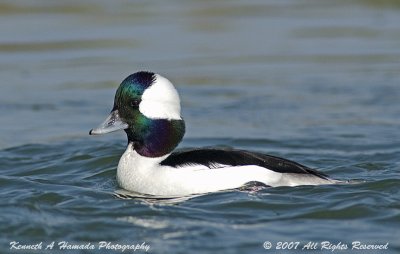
{"points": [[135, 103]]}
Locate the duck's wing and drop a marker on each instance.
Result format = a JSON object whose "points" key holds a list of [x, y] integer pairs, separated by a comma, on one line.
{"points": [[216, 158]]}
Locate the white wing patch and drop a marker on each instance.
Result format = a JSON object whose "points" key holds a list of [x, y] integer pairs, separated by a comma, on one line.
{"points": [[197, 166]]}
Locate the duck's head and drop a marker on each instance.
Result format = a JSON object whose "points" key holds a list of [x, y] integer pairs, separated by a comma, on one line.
{"points": [[147, 107]]}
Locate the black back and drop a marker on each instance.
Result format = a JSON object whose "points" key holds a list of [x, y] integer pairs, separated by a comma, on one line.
{"points": [[211, 157]]}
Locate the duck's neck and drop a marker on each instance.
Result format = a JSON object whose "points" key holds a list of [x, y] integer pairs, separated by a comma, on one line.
{"points": [[157, 137]]}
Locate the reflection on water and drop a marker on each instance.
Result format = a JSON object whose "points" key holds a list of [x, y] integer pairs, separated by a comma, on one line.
{"points": [[151, 199]]}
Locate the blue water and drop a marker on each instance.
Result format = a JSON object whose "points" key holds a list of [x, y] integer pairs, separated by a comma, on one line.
{"points": [[315, 82]]}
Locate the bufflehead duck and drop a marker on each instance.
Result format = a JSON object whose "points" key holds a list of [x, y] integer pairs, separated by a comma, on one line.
{"points": [[147, 107]]}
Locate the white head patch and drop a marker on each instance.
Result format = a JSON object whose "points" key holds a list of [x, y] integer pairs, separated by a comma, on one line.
{"points": [[161, 100]]}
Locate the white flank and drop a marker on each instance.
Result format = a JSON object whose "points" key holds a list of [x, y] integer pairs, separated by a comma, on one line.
{"points": [[161, 100], [144, 175]]}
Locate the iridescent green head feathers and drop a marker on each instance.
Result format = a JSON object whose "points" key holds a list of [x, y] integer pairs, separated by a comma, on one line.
{"points": [[147, 107]]}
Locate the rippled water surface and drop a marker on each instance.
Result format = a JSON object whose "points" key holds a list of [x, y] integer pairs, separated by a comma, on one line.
{"points": [[317, 82]]}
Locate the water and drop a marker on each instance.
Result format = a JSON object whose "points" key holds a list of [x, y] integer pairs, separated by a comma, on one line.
{"points": [[313, 81]]}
